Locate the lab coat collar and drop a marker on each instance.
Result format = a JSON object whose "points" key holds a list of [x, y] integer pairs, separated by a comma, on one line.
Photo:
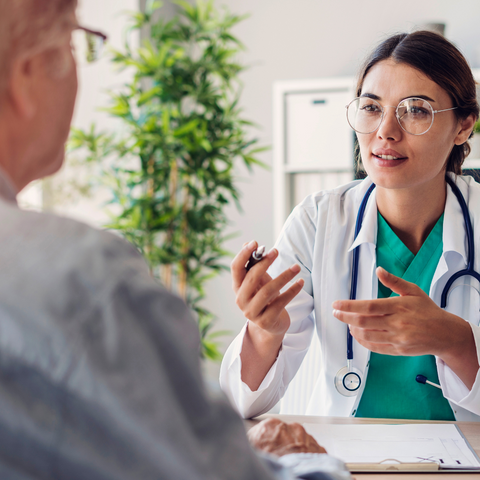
{"points": [[454, 233], [368, 232], [453, 219]]}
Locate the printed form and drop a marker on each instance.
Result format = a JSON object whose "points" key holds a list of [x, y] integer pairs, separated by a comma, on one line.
{"points": [[413, 443]]}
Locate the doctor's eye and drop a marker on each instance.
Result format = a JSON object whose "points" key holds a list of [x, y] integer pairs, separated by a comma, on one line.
{"points": [[417, 111], [370, 108], [415, 108]]}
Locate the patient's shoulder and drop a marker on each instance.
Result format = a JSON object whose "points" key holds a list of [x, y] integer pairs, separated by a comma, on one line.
{"points": [[39, 248]]}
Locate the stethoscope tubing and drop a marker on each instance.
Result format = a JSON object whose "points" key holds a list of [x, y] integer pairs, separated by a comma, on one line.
{"points": [[470, 248], [356, 250], [349, 389], [470, 253]]}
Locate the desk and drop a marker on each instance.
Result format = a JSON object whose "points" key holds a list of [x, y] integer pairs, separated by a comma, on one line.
{"points": [[471, 430]]}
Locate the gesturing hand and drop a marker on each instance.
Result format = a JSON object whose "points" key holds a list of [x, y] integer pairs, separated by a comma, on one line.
{"points": [[411, 324], [258, 296], [280, 438]]}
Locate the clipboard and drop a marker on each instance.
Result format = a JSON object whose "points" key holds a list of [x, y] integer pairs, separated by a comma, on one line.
{"points": [[395, 465], [391, 465]]}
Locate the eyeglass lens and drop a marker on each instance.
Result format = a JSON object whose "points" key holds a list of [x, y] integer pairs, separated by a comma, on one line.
{"points": [[88, 46], [414, 115]]}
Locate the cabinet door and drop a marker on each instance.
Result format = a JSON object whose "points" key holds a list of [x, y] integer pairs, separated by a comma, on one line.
{"points": [[303, 184], [317, 132]]}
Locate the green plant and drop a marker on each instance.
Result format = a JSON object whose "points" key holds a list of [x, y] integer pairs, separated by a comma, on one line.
{"points": [[171, 171], [476, 127]]}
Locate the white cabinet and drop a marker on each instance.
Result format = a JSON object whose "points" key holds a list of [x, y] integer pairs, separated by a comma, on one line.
{"points": [[312, 134], [313, 143]]}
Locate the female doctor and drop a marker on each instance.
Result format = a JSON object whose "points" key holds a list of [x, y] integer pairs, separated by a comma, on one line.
{"points": [[414, 112]]}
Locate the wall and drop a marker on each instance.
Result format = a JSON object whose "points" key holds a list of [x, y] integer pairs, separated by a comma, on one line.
{"points": [[310, 39], [284, 40], [94, 81]]}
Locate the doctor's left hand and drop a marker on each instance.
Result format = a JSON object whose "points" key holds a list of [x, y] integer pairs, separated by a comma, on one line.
{"points": [[410, 324]]}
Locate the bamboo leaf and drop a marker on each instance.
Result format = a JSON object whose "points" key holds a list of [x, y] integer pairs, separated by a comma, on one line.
{"points": [[152, 5], [149, 95], [171, 162], [187, 128]]}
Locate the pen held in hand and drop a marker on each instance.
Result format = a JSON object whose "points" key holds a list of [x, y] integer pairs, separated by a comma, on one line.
{"points": [[255, 257]]}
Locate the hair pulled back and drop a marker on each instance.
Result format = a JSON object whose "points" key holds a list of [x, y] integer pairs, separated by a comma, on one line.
{"points": [[442, 62]]}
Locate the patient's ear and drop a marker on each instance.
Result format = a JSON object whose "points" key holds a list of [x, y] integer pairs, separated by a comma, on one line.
{"points": [[22, 87]]}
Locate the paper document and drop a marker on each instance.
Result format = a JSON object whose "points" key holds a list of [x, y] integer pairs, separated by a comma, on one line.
{"points": [[415, 443]]}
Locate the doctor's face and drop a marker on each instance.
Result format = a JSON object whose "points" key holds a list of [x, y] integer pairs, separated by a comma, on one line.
{"points": [[393, 158]]}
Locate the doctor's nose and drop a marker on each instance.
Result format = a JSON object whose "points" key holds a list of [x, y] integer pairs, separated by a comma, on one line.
{"points": [[390, 129]]}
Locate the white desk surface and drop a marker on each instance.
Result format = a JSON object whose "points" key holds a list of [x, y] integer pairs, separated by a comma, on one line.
{"points": [[471, 430]]}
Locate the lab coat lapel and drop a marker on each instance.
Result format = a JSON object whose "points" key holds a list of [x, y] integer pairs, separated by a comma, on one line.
{"points": [[367, 286], [454, 256]]}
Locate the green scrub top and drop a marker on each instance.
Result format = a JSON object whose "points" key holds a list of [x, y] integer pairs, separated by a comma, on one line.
{"points": [[391, 390]]}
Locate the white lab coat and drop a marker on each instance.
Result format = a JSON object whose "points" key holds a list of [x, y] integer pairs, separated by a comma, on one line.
{"points": [[318, 235]]}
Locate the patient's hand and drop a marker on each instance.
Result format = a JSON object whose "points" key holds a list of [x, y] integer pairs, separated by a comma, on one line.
{"points": [[279, 438]]}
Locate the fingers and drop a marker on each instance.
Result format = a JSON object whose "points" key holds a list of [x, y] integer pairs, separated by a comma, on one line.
{"points": [[371, 336], [381, 306], [398, 285], [382, 348], [372, 322], [259, 296], [272, 312], [280, 438], [253, 301], [256, 273], [238, 263]]}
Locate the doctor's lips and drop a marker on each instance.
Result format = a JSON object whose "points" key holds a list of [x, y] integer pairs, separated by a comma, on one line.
{"points": [[388, 154]]}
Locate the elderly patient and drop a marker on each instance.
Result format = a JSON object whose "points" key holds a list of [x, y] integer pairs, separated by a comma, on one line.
{"points": [[99, 370]]}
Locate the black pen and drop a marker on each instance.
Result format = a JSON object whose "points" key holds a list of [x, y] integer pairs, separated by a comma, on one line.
{"points": [[255, 257]]}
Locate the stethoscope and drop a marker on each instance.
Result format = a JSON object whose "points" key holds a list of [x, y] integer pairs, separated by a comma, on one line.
{"points": [[348, 379]]}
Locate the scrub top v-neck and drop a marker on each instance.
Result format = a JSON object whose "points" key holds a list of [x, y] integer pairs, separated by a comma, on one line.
{"points": [[391, 390]]}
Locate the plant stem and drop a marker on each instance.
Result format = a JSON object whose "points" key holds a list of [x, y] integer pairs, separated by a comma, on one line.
{"points": [[150, 194], [168, 269], [183, 274]]}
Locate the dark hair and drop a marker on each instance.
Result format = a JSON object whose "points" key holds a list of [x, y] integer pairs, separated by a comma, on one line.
{"points": [[442, 62]]}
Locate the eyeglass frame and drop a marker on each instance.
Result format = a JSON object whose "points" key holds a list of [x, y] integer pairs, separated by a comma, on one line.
{"points": [[396, 114], [92, 32]]}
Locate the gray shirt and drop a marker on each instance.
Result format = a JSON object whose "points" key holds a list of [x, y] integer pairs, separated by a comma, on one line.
{"points": [[99, 367]]}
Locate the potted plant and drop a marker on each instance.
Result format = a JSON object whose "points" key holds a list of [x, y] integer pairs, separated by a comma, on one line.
{"points": [[171, 169]]}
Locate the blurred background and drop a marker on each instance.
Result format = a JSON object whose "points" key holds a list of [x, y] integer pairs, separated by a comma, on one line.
{"points": [[284, 40]]}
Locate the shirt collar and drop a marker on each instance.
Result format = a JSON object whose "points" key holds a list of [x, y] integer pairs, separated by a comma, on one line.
{"points": [[453, 220], [7, 189], [368, 231]]}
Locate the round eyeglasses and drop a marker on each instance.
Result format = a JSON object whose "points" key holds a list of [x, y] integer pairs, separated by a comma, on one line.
{"points": [[415, 115], [88, 44]]}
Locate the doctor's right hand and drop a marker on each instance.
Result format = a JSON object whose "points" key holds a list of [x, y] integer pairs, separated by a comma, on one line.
{"points": [[258, 295], [260, 299]]}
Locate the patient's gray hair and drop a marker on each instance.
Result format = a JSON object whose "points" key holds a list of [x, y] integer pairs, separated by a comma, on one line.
{"points": [[31, 26]]}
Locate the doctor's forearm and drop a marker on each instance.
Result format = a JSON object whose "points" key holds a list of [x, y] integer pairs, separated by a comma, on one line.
{"points": [[259, 352], [461, 356]]}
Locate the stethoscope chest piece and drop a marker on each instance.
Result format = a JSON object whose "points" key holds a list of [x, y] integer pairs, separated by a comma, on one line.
{"points": [[348, 381]]}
